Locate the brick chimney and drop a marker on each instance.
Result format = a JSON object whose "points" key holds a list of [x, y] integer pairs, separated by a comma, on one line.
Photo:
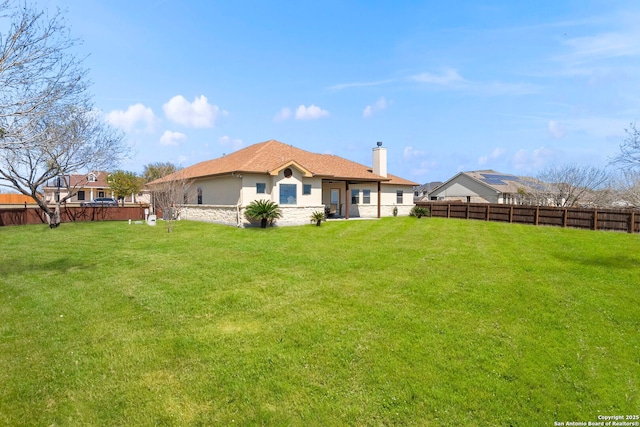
{"points": [[380, 160]]}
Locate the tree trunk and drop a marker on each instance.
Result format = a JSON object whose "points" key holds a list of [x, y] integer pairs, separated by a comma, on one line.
{"points": [[54, 220], [319, 222], [263, 223]]}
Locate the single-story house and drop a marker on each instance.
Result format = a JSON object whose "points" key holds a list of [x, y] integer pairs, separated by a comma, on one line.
{"points": [[299, 181], [484, 186], [86, 188]]}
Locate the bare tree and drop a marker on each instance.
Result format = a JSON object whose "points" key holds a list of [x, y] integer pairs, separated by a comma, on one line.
{"points": [[627, 186], [71, 139], [629, 156], [47, 126], [168, 193], [573, 185], [37, 72]]}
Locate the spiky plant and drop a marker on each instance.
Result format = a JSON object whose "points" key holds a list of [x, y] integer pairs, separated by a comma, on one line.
{"points": [[318, 217], [419, 211], [264, 210]]}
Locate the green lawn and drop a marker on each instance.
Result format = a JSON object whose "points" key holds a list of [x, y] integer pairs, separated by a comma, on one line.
{"points": [[400, 321]]}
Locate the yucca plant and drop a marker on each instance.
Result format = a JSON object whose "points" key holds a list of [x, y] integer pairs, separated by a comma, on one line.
{"points": [[264, 210], [318, 217], [419, 211]]}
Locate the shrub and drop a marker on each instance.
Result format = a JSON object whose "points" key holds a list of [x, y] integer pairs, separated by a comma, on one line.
{"points": [[264, 210], [419, 211], [318, 217]]}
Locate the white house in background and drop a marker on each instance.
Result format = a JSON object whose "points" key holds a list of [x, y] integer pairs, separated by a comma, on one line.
{"points": [[485, 186], [299, 181], [86, 187]]}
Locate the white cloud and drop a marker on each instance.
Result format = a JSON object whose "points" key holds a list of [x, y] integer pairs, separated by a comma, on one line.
{"points": [[603, 46], [556, 129], [283, 115], [127, 120], [379, 105], [531, 161], [172, 138], [311, 112], [448, 77], [410, 153], [495, 154], [359, 84], [226, 141], [196, 114]]}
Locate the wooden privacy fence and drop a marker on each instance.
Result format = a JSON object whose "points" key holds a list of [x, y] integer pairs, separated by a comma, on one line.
{"points": [[35, 215], [627, 220]]}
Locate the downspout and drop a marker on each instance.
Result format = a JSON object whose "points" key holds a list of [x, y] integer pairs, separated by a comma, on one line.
{"points": [[239, 205], [379, 201], [346, 200]]}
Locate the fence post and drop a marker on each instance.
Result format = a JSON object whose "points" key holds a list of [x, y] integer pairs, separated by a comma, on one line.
{"points": [[595, 219], [467, 210], [488, 209], [537, 215], [632, 223], [564, 218], [511, 214], [448, 210]]}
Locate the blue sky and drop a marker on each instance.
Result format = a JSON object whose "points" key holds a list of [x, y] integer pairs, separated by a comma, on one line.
{"points": [[447, 86]]}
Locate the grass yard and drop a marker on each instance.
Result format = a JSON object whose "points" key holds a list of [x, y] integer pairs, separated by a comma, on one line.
{"points": [[428, 322]]}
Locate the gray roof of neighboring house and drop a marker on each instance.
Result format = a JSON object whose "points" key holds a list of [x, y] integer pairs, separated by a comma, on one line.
{"points": [[501, 182]]}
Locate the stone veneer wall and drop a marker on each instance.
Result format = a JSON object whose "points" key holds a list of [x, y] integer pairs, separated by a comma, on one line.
{"points": [[233, 215], [298, 215]]}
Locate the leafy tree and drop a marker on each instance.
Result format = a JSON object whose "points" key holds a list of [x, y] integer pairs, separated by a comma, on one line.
{"points": [[264, 210], [48, 128], [123, 183], [629, 156], [157, 170]]}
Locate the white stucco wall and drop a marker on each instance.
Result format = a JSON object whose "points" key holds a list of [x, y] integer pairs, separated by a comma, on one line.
{"points": [[462, 187]]}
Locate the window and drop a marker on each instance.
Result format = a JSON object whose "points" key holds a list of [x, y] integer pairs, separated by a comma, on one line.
{"points": [[81, 195], [288, 172], [399, 197], [366, 196], [288, 194], [100, 193], [91, 178], [199, 195], [355, 196], [261, 188]]}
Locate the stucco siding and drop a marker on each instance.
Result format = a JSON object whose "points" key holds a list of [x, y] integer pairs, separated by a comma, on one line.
{"points": [[462, 187]]}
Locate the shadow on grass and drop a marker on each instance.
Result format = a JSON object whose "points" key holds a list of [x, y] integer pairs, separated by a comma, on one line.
{"points": [[61, 265], [624, 262]]}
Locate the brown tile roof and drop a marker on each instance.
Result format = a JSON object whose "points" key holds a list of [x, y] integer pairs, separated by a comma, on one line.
{"points": [[82, 180], [271, 156]]}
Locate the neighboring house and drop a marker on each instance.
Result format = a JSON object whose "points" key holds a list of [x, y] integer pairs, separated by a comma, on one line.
{"points": [[300, 182], [422, 192], [485, 186], [86, 188]]}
